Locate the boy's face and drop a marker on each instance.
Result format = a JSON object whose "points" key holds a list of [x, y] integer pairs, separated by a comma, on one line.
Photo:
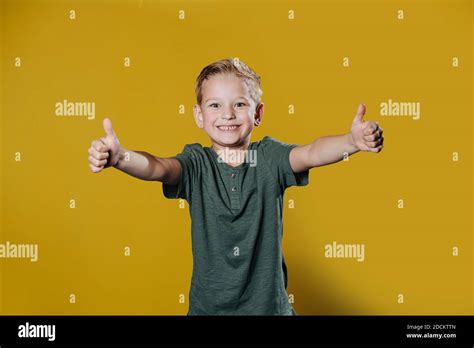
{"points": [[227, 112]]}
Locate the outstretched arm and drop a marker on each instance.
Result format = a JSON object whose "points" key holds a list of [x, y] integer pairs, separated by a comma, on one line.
{"points": [[364, 136], [145, 166], [107, 152]]}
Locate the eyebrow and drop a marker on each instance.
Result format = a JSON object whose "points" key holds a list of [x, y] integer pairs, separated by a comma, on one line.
{"points": [[239, 97]]}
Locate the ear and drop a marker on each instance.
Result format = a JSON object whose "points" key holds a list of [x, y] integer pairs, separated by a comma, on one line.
{"points": [[198, 116], [258, 114]]}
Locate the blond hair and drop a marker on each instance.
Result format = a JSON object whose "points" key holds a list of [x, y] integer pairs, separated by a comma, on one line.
{"points": [[232, 66]]}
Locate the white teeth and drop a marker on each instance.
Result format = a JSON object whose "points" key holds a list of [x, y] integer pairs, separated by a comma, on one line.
{"points": [[227, 128]]}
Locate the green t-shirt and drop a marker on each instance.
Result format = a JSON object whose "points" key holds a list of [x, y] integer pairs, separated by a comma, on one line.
{"points": [[236, 228]]}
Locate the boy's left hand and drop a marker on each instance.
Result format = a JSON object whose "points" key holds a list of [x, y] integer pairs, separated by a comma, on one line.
{"points": [[366, 135]]}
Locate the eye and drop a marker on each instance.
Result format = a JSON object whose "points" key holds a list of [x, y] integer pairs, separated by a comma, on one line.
{"points": [[240, 103], [213, 104]]}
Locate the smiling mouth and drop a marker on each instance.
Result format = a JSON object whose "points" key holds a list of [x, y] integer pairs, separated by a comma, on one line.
{"points": [[228, 128]]}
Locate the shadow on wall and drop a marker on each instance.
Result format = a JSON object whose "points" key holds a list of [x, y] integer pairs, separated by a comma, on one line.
{"points": [[316, 294]]}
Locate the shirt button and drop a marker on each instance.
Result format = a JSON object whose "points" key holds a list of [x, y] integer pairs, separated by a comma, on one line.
{"points": [[234, 189], [232, 175]]}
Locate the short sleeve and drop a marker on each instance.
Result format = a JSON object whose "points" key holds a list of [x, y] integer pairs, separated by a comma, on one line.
{"points": [[277, 156], [183, 188]]}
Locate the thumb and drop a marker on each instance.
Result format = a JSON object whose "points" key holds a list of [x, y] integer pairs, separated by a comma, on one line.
{"points": [[108, 127], [360, 113]]}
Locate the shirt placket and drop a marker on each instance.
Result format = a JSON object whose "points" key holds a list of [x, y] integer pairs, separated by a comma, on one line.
{"points": [[235, 189]]}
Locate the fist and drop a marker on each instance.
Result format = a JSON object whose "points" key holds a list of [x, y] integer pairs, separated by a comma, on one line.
{"points": [[104, 152], [366, 135]]}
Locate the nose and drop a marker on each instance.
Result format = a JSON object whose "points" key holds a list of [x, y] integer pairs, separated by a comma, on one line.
{"points": [[228, 113]]}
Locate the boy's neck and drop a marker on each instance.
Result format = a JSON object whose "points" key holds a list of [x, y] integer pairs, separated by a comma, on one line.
{"points": [[232, 155]]}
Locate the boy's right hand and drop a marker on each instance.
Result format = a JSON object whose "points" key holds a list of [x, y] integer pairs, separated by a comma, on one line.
{"points": [[104, 152]]}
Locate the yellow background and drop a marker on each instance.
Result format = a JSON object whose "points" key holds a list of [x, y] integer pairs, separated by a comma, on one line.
{"points": [[81, 250]]}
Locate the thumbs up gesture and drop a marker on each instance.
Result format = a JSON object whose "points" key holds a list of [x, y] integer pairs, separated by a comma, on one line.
{"points": [[104, 152], [366, 135]]}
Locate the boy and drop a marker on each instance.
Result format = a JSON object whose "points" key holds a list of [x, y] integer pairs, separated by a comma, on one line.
{"points": [[235, 190]]}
